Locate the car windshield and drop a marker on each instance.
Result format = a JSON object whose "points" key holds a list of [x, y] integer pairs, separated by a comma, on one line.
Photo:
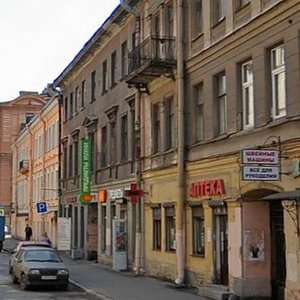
{"points": [[41, 255]]}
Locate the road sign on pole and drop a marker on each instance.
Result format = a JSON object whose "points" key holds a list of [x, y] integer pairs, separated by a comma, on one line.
{"points": [[41, 207]]}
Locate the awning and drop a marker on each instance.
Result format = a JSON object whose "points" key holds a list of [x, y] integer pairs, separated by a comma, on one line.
{"points": [[289, 195]]}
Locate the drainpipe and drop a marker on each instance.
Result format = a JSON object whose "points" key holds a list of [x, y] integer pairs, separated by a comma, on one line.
{"points": [[30, 177], [138, 235], [181, 145]]}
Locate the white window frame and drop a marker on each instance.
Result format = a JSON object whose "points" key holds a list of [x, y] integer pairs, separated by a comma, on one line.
{"points": [[278, 73], [247, 94]]}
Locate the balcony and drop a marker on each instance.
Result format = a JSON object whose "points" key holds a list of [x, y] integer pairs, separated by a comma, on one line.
{"points": [[152, 58], [24, 166]]}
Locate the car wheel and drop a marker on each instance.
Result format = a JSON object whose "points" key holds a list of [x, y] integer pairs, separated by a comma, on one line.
{"points": [[23, 283], [14, 279]]}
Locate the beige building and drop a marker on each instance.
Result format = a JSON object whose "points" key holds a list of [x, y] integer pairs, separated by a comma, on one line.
{"points": [[207, 81], [35, 174], [14, 115]]}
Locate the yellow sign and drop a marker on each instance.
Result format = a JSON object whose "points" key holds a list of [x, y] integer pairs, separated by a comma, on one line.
{"points": [[2, 212]]}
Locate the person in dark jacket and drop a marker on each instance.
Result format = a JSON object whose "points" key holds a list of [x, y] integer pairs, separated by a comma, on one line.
{"points": [[28, 232]]}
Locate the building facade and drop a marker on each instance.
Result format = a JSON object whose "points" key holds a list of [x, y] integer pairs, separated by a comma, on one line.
{"points": [[35, 174], [203, 119], [14, 115]]}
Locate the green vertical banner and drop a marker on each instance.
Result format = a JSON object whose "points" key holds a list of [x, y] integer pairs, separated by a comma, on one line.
{"points": [[85, 171]]}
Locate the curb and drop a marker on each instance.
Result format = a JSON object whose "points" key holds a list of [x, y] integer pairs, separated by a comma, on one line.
{"points": [[98, 295]]}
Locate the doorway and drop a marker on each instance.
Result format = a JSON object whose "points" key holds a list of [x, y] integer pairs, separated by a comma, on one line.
{"points": [[221, 245], [278, 263]]}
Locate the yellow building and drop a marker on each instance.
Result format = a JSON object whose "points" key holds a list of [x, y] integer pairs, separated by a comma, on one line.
{"points": [[37, 182]]}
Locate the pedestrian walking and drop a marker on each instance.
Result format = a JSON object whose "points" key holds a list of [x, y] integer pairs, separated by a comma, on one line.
{"points": [[28, 232]]}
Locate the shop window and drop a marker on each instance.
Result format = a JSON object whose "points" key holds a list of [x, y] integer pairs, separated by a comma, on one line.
{"points": [[157, 228], [170, 229], [198, 231]]}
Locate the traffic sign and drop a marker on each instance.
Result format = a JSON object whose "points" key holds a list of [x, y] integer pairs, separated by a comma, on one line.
{"points": [[41, 207]]}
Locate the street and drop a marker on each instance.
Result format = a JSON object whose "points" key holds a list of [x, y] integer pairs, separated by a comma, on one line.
{"points": [[10, 291]]}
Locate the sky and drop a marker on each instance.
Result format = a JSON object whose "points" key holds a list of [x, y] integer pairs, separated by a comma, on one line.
{"points": [[39, 38]]}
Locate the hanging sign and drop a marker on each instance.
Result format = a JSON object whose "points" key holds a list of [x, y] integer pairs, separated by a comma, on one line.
{"points": [[266, 157], [85, 174]]}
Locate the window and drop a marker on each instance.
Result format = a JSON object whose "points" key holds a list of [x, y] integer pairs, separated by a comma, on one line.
{"points": [[76, 156], [113, 146], [220, 10], [71, 106], [104, 77], [170, 20], [113, 68], [197, 17], [155, 128], [91, 136], [199, 105], [157, 228], [76, 98], [221, 104], [240, 3], [133, 40], [198, 230], [70, 160], [278, 82], [28, 117], [103, 228], [170, 229], [247, 94], [104, 146], [170, 123], [82, 92], [66, 109], [65, 162], [124, 138], [124, 57], [93, 86]]}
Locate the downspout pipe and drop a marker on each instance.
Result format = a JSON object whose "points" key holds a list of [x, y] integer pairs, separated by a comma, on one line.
{"points": [[180, 251]]}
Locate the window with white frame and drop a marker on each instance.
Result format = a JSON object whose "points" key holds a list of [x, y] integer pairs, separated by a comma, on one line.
{"points": [[199, 110], [198, 231], [247, 94], [221, 103], [278, 82]]}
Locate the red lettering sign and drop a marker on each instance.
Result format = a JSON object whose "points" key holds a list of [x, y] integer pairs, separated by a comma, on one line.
{"points": [[214, 187]]}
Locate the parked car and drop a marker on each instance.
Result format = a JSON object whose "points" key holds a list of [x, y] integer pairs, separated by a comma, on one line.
{"points": [[25, 244], [39, 266]]}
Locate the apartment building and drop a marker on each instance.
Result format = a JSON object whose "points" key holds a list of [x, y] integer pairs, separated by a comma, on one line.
{"points": [[99, 108], [201, 118], [14, 115], [35, 174]]}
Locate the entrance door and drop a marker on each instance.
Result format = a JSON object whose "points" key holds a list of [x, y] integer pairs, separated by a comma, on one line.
{"points": [[278, 264], [221, 245]]}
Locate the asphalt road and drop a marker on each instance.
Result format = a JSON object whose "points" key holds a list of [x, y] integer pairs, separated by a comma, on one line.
{"points": [[10, 291]]}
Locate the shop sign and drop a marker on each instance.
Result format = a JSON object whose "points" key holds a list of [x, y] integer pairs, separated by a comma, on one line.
{"points": [[266, 173], [115, 194], [267, 157], [214, 187], [85, 174]]}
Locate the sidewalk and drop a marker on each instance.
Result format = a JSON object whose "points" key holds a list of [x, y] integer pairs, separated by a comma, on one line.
{"points": [[106, 284]]}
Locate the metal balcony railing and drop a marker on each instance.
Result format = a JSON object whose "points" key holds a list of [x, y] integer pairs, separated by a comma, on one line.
{"points": [[155, 50]]}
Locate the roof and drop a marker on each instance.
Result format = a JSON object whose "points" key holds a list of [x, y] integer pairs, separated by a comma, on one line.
{"points": [[288, 195]]}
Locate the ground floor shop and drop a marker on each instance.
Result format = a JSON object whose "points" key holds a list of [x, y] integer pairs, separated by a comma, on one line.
{"points": [[233, 236]]}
